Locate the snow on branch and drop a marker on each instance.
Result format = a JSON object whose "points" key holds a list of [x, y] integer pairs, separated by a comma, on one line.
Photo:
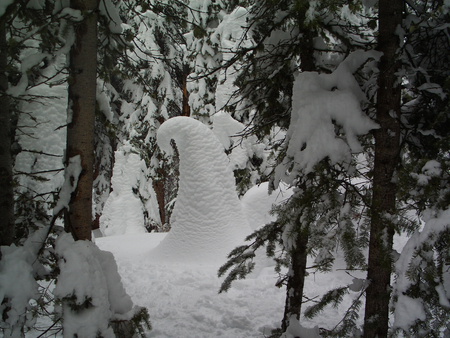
{"points": [[71, 175], [326, 117]]}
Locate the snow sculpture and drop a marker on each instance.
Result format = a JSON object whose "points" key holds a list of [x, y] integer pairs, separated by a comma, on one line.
{"points": [[207, 220], [123, 212]]}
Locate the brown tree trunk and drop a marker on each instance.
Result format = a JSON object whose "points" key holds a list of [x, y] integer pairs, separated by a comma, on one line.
{"points": [[6, 161], [81, 111], [387, 155]]}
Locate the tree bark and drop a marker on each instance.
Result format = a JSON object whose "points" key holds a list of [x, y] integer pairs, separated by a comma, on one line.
{"points": [[296, 278], [186, 109], [299, 254], [387, 155], [81, 111], [160, 189], [6, 160]]}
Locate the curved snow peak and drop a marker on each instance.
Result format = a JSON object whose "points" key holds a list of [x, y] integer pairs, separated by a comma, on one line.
{"points": [[207, 220]]}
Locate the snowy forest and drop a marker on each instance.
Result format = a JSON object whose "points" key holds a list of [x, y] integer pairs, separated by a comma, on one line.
{"points": [[225, 168]]}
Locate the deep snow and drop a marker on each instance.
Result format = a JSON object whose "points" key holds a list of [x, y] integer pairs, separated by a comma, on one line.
{"points": [[183, 299]]}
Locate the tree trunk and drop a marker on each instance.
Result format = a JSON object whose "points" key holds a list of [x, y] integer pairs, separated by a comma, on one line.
{"points": [[6, 161], [296, 279], [160, 189], [387, 155], [186, 109], [299, 254], [81, 111]]}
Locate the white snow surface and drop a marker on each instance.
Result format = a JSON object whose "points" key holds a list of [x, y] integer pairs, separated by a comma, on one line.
{"points": [[90, 273], [229, 132], [183, 299], [257, 203], [207, 219], [123, 212]]}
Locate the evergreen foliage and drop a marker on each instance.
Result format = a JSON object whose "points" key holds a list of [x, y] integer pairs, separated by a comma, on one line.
{"points": [[160, 59]]}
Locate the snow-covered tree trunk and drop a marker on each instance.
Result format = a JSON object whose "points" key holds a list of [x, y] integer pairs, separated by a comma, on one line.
{"points": [[387, 155], [81, 115], [6, 183]]}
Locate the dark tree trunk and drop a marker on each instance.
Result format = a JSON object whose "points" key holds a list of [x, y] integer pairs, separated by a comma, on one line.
{"points": [[387, 154], [296, 279], [159, 187], [299, 254], [6, 160], [81, 110], [186, 109]]}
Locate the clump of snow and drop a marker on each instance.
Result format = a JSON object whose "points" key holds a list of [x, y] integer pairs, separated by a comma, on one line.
{"points": [[230, 35], [229, 132], [110, 11], [42, 136], [407, 311], [207, 219], [258, 202], [296, 330], [89, 280], [358, 284], [123, 211], [4, 5], [429, 170], [17, 288], [326, 117], [71, 176]]}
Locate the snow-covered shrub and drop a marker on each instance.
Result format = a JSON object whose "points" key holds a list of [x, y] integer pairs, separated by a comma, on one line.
{"points": [[19, 272], [422, 288], [17, 288], [94, 301]]}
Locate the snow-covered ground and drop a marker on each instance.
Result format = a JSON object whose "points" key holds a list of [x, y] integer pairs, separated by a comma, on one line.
{"points": [[183, 299], [177, 279]]}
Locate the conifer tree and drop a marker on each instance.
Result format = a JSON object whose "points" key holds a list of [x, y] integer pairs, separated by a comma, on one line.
{"points": [[316, 217], [6, 160], [81, 110], [422, 268], [384, 188]]}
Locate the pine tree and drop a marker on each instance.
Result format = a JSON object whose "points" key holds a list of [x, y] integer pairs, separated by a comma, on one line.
{"points": [[387, 156], [81, 110], [317, 216], [421, 270], [150, 85], [6, 157]]}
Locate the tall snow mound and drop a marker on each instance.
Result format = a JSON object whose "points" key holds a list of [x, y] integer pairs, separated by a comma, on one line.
{"points": [[207, 220], [123, 212]]}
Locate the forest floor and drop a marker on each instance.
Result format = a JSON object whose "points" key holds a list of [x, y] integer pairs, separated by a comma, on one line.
{"points": [[183, 300]]}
